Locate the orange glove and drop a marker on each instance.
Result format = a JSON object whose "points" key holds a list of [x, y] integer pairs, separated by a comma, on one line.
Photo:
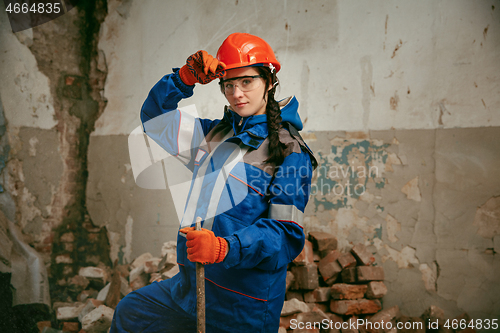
{"points": [[203, 246], [201, 67]]}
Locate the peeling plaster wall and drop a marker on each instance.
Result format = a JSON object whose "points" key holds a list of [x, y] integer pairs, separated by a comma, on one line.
{"points": [[366, 65], [429, 211], [33, 166], [50, 96]]}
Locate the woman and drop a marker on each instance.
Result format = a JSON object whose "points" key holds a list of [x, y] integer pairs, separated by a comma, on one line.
{"points": [[252, 224]]}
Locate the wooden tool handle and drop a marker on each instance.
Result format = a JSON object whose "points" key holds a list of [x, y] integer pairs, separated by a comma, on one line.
{"points": [[200, 291]]}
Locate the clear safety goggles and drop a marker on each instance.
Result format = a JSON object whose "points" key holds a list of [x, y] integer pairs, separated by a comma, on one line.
{"points": [[244, 83]]}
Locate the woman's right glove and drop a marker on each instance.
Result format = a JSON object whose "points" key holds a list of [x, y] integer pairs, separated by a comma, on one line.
{"points": [[201, 67], [203, 246]]}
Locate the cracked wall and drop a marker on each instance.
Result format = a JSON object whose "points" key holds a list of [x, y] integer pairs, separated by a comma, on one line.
{"points": [[429, 213], [51, 95]]}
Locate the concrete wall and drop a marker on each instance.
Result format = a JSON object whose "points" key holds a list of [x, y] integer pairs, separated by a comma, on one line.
{"points": [[408, 90]]}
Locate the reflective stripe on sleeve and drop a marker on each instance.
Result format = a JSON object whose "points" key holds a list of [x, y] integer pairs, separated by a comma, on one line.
{"points": [[185, 136], [288, 213]]}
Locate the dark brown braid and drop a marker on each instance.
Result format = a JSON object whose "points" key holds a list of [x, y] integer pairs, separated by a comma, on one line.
{"points": [[273, 111]]}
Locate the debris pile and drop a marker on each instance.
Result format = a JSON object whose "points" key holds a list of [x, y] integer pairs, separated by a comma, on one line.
{"points": [[327, 291], [330, 291], [99, 290]]}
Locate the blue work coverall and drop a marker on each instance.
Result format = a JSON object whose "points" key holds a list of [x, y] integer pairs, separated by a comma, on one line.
{"points": [[258, 210]]}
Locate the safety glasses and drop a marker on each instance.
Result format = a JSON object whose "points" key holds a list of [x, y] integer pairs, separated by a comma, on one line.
{"points": [[244, 83]]}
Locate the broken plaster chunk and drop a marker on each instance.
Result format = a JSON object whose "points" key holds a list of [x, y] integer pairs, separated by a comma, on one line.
{"points": [[90, 306], [293, 306], [140, 260], [136, 272], [170, 246], [68, 313], [412, 190], [93, 273], [151, 265], [124, 289], [170, 273], [98, 320]]}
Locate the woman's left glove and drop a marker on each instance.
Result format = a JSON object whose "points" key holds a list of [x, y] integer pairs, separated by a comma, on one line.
{"points": [[201, 67], [203, 246]]}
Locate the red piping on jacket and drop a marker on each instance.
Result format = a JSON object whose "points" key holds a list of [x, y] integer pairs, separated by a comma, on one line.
{"points": [[291, 222], [259, 299], [246, 184]]}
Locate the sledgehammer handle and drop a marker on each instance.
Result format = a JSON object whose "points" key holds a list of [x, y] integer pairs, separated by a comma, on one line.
{"points": [[200, 291]]}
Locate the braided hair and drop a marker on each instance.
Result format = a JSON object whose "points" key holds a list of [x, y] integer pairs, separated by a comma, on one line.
{"points": [[273, 111]]}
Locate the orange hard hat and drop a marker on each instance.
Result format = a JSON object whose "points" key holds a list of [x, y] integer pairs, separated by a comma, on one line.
{"points": [[241, 50]]}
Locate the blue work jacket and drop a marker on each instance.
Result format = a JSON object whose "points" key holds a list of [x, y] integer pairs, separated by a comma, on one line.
{"points": [[257, 207]]}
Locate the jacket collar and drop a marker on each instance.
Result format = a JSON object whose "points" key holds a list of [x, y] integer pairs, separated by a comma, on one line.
{"points": [[252, 131]]}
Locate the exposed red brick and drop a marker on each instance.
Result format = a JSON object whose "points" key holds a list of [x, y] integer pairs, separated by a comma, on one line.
{"points": [[71, 327], [306, 256], [323, 241], [319, 307], [294, 294], [383, 316], [306, 276], [346, 260], [349, 275], [369, 273], [329, 267], [321, 294], [285, 321], [376, 289], [42, 324], [311, 321], [358, 306], [290, 279], [348, 291], [351, 326]]}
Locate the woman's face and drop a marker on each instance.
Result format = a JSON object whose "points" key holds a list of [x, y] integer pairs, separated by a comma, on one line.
{"points": [[247, 103]]}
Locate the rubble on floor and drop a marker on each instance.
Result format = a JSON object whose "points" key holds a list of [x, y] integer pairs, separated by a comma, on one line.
{"points": [[101, 288], [327, 291]]}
